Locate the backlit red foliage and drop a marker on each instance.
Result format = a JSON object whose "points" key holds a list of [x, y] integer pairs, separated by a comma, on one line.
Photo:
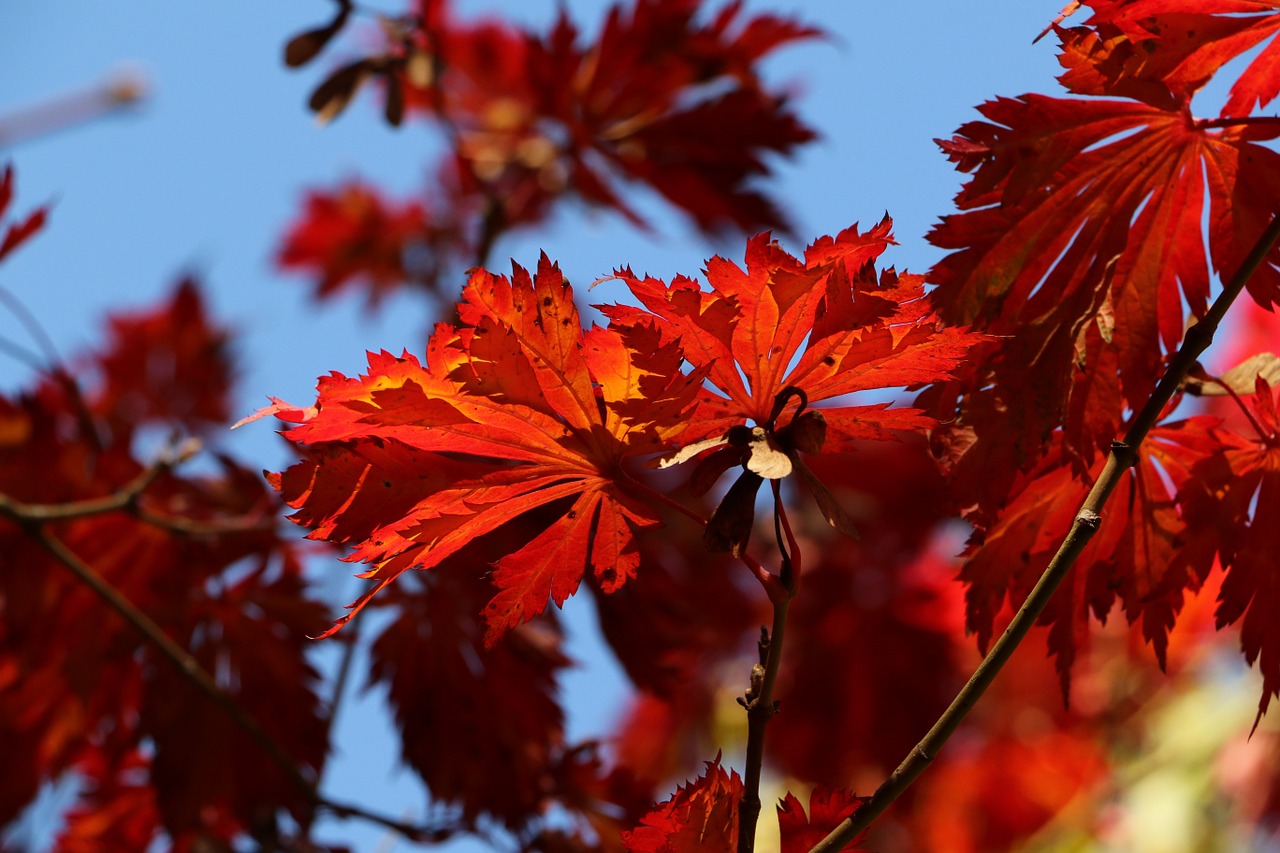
{"points": [[660, 97], [523, 453]]}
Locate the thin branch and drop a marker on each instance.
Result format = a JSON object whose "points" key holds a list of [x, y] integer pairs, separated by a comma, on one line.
{"points": [[216, 527], [123, 499], [759, 700], [421, 833], [28, 321], [125, 89], [22, 354], [1124, 454], [127, 499]]}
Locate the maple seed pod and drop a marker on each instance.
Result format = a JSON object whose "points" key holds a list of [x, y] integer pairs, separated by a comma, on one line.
{"points": [[730, 526], [808, 432]]}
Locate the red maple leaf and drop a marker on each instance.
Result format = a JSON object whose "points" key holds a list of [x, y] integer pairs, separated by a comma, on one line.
{"points": [[785, 333], [354, 236], [1083, 221], [432, 648], [824, 325], [516, 409], [1238, 505], [828, 808], [701, 816], [1179, 46], [169, 366], [1136, 558], [658, 96]]}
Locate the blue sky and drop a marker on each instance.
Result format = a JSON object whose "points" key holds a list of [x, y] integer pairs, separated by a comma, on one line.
{"points": [[206, 174]]}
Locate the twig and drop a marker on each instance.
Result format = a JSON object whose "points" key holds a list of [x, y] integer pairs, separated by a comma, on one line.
{"points": [[216, 527], [126, 499], [124, 89], [123, 499], [759, 700], [1124, 454], [414, 832]]}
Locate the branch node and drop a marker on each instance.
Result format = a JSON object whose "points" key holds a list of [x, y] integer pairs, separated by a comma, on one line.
{"points": [[1124, 454], [1089, 518], [186, 450]]}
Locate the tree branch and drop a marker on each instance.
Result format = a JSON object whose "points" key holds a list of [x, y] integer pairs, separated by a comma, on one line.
{"points": [[759, 700], [1123, 456]]}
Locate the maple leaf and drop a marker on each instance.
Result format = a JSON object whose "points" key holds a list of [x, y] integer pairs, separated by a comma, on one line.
{"points": [[1136, 557], [516, 409], [828, 808], [431, 648], [1083, 220], [352, 235], [17, 233], [116, 812], [657, 96], [169, 366], [785, 333], [1181, 45], [701, 816], [1237, 503]]}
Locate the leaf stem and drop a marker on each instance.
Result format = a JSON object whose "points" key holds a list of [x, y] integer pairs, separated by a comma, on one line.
{"points": [[1123, 456], [1245, 410]]}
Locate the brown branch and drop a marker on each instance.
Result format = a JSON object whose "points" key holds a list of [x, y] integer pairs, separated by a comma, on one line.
{"points": [[127, 499], [124, 499], [759, 700], [124, 89], [1124, 454]]}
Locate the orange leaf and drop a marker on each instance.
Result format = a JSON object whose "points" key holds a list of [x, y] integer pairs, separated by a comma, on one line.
{"points": [[515, 410]]}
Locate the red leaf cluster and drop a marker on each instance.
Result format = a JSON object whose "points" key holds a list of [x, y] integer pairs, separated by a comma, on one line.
{"points": [[352, 237], [658, 98], [1237, 497], [81, 692], [1079, 236], [1079, 243], [518, 408], [703, 816]]}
